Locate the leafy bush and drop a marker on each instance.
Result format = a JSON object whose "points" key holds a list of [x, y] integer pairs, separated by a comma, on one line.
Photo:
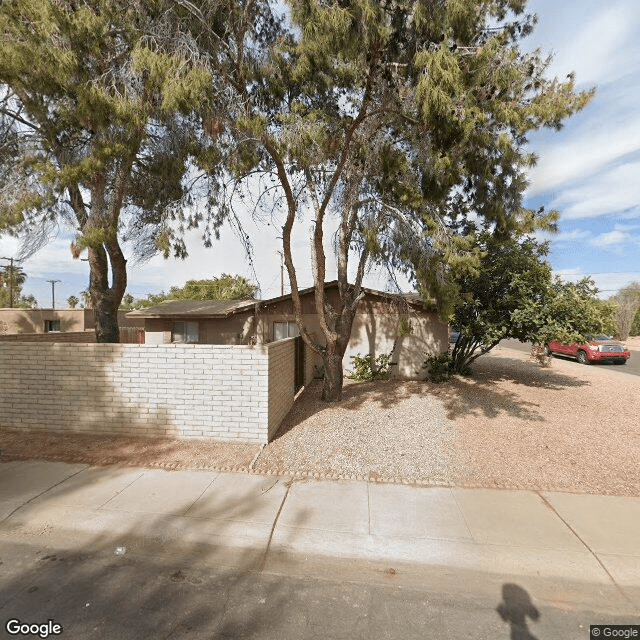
{"points": [[439, 367], [367, 368]]}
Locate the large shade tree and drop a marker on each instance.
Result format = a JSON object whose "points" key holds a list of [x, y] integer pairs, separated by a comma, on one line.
{"points": [[394, 118], [96, 102]]}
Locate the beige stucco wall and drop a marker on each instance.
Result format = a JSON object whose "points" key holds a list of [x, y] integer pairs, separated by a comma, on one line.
{"points": [[24, 321], [374, 331], [377, 334], [32, 320], [66, 336]]}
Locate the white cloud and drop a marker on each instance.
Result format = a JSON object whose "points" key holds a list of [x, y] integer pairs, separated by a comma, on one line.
{"points": [[610, 238], [626, 227], [608, 283], [599, 50], [565, 236], [613, 192], [567, 273], [589, 149]]}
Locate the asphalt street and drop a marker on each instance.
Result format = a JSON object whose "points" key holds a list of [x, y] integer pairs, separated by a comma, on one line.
{"points": [[632, 366], [104, 595], [127, 553]]}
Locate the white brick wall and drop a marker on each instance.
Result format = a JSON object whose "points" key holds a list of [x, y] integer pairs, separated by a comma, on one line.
{"points": [[215, 392], [281, 381]]}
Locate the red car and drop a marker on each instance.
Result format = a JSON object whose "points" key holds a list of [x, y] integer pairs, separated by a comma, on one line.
{"points": [[598, 349]]}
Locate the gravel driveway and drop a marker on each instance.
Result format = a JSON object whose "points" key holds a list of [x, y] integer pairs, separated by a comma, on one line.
{"points": [[513, 425]]}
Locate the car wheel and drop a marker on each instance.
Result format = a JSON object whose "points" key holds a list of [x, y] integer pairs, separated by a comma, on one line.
{"points": [[582, 357], [547, 351]]}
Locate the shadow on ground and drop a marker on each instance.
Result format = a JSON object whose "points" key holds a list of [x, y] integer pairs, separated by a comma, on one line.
{"points": [[102, 450], [127, 584], [481, 393], [142, 580], [515, 608], [484, 393]]}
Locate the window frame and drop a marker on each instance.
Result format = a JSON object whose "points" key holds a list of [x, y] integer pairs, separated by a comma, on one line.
{"points": [[187, 333], [48, 324], [292, 329]]}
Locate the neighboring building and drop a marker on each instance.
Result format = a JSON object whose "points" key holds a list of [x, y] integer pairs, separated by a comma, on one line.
{"points": [[377, 326], [28, 321]]}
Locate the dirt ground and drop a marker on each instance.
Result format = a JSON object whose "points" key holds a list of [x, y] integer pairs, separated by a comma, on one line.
{"points": [[633, 343], [512, 425]]}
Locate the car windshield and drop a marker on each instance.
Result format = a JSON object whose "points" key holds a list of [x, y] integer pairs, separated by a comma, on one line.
{"points": [[598, 338]]}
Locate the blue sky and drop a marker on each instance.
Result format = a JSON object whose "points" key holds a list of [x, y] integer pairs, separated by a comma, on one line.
{"points": [[589, 171]]}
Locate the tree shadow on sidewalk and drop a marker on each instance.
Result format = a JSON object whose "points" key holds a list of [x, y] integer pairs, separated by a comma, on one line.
{"points": [[147, 577]]}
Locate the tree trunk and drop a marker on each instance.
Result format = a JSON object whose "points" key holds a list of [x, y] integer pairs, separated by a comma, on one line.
{"points": [[106, 314], [333, 374], [105, 299]]}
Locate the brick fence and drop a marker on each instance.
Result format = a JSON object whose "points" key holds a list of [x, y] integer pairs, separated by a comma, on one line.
{"points": [[62, 336], [215, 392], [128, 335]]}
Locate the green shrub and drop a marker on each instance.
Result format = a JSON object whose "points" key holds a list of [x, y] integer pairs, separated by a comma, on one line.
{"points": [[439, 367], [367, 368]]}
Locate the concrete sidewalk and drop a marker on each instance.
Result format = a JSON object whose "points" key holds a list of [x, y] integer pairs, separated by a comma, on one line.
{"points": [[563, 538]]}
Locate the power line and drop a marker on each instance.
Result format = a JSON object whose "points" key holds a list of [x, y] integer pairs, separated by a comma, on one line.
{"points": [[11, 277]]}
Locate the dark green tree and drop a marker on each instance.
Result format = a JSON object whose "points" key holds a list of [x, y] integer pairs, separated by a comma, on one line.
{"points": [[12, 278], [635, 326], [512, 294]]}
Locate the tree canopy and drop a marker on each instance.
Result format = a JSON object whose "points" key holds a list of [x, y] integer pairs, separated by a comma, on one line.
{"points": [[403, 121], [627, 303], [12, 279], [512, 294], [224, 287], [96, 100]]}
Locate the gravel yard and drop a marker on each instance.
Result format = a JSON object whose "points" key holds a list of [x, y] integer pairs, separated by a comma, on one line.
{"points": [[513, 425]]}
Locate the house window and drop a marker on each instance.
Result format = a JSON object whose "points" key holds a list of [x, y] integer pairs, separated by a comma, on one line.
{"points": [[185, 332], [282, 330], [51, 326]]}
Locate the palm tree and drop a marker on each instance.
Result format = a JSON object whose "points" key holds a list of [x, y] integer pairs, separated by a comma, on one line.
{"points": [[12, 277]]}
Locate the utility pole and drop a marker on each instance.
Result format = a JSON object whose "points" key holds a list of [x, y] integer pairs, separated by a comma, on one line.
{"points": [[281, 272], [11, 275], [53, 292]]}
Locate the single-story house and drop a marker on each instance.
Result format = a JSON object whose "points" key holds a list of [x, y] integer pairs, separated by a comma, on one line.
{"points": [[29, 321], [399, 324]]}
